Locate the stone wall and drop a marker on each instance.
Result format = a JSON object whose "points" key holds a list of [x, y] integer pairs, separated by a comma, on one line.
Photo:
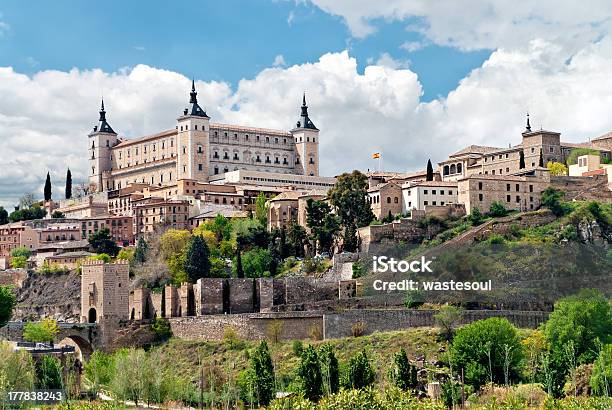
{"points": [[338, 325], [405, 229], [249, 326], [583, 188]]}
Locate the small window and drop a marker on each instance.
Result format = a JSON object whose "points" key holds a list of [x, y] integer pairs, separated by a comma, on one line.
{"points": [[480, 197]]}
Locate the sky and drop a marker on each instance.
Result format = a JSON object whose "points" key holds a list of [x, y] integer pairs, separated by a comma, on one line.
{"points": [[412, 79]]}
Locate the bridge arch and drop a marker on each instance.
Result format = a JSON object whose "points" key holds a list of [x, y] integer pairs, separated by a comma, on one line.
{"points": [[83, 349]]}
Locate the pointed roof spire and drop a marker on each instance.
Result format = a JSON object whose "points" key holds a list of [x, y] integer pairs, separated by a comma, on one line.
{"points": [[103, 125], [195, 108], [528, 128], [304, 121]]}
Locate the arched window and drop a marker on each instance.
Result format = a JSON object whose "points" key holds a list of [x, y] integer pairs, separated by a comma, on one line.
{"points": [[459, 167], [91, 316], [445, 172], [453, 169]]}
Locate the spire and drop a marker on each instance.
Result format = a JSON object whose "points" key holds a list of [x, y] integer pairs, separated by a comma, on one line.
{"points": [[304, 121], [528, 129], [194, 108], [103, 125]]}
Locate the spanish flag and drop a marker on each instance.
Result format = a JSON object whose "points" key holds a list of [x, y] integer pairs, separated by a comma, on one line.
{"points": [[376, 155]]}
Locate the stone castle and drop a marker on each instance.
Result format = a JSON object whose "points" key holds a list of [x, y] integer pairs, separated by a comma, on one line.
{"points": [[197, 149]]}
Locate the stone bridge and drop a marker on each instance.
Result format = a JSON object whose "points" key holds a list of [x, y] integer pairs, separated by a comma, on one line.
{"points": [[85, 337]]}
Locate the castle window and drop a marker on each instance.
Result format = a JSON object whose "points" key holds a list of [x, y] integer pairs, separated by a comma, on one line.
{"points": [[200, 167], [458, 168], [480, 197], [445, 171], [107, 143], [267, 139], [235, 136], [552, 149], [196, 126], [268, 160], [276, 160], [388, 199], [518, 199], [216, 170], [225, 169], [532, 150], [93, 170], [93, 144], [441, 192], [258, 138], [507, 187], [425, 191], [530, 188], [311, 160], [276, 140], [236, 156], [225, 156], [216, 134], [297, 160], [396, 200], [517, 187], [500, 171], [493, 172], [285, 161], [153, 147], [507, 198], [480, 186], [246, 137], [433, 191], [284, 140], [506, 155], [507, 169], [258, 159], [425, 203], [225, 135]]}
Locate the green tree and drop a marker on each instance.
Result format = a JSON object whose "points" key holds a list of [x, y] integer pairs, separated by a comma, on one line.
{"points": [[322, 223], [351, 242], [101, 242], [476, 217], [3, 216], [309, 374], [8, 301], [261, 209], [430, 173], [99, 370], [68, 184], [238, 261], [447, 320], [296, 239], [601, 379], [521, 159], [551, 199], [19, 262], [263, 372], [581, 321], [197, 263], [403, 374], [541, 161], [17, 372], [556, 168], [497, 210], [41, 332], [27, 214], [329, 369], [126, 254], [57, 215], [131, 375], [255, 263], [479, 348], [349, 199], [47, 188], [140, 253], [49, 373], [360, 371]]}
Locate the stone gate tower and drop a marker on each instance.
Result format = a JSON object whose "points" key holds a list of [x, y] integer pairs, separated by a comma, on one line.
{"points": [[105, 290], [193, 143]]}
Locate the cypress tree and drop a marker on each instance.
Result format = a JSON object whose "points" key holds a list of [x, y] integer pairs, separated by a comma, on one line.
{"points": [[521, 160], [329, 369], [309, 373], [403, 373], [239, 269], [140, 254], [361, 374], [263, 370], [48, 188], [197, 264], [430, 175], [68, 184], [541, 159]]}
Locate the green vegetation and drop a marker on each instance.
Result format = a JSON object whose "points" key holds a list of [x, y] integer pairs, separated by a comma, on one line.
{"points": [[8, 301], [41, 332], [572, 158], [557, 168], [263, 372], [197, 262], [19, 257], [402, 373], [35, 211], [360, 372], [102, 242], [49, 373], [487, 350], [3, 216], [309, 374]]}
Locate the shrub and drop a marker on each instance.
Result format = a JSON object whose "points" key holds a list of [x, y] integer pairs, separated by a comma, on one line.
{"points": [[8, 300], [297, 347], [49, 373], [231, 338], [329, 369], [414, 299], [99, 370], [360, 371], [496, 239], [19, 262], [309, 374], [255, 263], [358, 329], [551, 199], [161, 328], [578, 384], [403, 374], [475, 217], [263, 374], [358, 270], [447, 319], [498, 210], [479, 348]]}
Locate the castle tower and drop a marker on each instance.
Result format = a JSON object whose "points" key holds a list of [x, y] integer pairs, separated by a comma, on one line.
{"points": [[101, 141], [105, 291], [193, 160], [306, 137]]}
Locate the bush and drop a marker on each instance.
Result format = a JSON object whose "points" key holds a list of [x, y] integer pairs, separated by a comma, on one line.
{"points": [[360, 371], [447, 319], [475, 217], [309, 374], [8, 300], [99, 370], [403, 374], [414, 299], [498, 210], [161, 328], [263, 374], [358, 270], [496, 239], [19, 262], [480, 349], [231, 338], [297, 347], [49, 373], [274, 331], [551, 199], [358, 329], [256, 263], [329, 369]]}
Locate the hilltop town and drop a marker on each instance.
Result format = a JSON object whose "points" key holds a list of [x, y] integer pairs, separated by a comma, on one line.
{"points": [[228, 234]]}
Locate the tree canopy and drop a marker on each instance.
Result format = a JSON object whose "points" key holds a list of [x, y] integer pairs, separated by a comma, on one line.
{"points": [[47, 190], [101, 242], [8, 301]]}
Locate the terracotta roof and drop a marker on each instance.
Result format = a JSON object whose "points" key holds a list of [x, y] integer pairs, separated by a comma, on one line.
{"points": [[127, 142], [476, 149]]}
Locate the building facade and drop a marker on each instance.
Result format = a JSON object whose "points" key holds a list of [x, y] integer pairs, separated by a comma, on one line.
{"points": [[420, 195], [197, 149]]}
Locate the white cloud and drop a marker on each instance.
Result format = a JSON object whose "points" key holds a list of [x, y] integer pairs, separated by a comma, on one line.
{"points": [[4, 28], [44, 119], [386, 60], [412, 46], [290, 18], [469, 24], [279, 61]]}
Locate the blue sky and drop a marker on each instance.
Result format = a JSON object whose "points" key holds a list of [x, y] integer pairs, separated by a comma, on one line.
{"points": [[224, 41]]}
